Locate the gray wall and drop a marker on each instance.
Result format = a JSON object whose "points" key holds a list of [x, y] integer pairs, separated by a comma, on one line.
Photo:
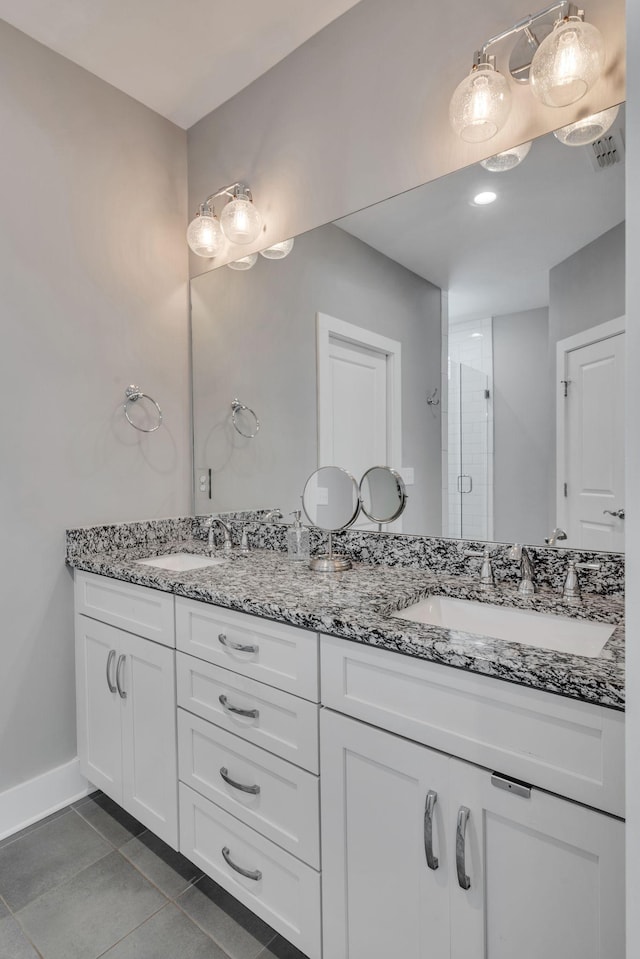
{"points": [[522, 415], [92, 297], [360, 111], [588, 288], [254, 336]]}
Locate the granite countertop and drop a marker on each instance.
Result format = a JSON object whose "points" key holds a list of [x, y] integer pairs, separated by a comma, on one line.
{"points": [[356, 605]]}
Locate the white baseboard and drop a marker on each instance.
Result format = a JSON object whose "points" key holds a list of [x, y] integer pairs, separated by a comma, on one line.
{"points": [[31, 801]]}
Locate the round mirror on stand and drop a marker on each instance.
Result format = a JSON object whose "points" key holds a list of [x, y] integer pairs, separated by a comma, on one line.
{"points": [[331, 501], [383, 495]]}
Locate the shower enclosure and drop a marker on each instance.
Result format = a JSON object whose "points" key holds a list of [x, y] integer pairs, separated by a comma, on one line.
{"points": [[470, 454]]}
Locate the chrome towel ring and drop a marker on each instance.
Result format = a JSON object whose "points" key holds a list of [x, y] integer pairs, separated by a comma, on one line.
{"points": [[238, 407], [133, 394]]}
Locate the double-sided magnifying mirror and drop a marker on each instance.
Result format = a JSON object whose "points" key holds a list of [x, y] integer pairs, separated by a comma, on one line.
{"points": [[383, 495], [331, 501]]}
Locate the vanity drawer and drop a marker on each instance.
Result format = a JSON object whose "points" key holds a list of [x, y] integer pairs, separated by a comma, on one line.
{"points": [[567, 747], [282, 656], [287, 892], [286, 807], [284, 724], [136, 609]]}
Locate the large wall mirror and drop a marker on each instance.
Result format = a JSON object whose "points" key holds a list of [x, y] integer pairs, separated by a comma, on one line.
{"points": [[476, 348]]}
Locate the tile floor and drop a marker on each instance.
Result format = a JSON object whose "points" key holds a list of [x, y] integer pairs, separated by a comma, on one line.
{"points": [[90, 881]]}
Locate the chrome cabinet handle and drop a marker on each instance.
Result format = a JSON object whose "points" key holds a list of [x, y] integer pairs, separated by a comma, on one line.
{"points": [[431, 800], [254, 874], [119, 669], [110, 659], [463, 880], [618, 513], [239, 647], [251, 713], [253, 790]]}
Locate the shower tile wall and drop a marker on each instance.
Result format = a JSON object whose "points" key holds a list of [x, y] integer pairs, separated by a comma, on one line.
{"points": [[470, 445]]}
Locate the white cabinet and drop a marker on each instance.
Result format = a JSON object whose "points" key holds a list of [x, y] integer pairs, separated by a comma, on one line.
{"points": [[545, 876], [126, 714]]}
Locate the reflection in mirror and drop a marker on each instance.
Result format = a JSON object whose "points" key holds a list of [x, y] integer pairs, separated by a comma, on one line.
{"points": [[514, 311], [331, 501], [382, 494]]}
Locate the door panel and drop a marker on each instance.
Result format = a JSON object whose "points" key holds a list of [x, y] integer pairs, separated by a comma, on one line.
{"points": [[149, 736], [99, 728], [547, 875]]}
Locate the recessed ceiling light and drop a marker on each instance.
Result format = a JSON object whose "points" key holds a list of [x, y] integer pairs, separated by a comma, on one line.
{"points": [[475, 335], [482, 199]]}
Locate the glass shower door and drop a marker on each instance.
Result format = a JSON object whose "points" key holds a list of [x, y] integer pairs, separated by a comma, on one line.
{"points": [[470, 454]]}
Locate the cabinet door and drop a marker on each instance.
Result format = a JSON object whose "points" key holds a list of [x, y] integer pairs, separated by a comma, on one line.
{"points": [[380, 898], [149, 752], [546, 875], [98, 705]]}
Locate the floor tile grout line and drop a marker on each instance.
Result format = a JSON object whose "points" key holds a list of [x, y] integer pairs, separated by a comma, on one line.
{"points": [[101, 834], [131, 931], [216, 941], [59, 885], [152, 883], [34, 827]]}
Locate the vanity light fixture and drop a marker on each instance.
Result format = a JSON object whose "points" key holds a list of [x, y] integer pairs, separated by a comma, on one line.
{"points": [[588, 130], [559, 54], [244, 263], [507, 160], [240, 222], [278, 251]]}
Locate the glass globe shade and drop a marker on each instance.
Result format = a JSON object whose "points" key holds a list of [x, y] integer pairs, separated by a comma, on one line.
{"points": [[588, 130], [240, 221], [567, 63], [480, 104], [278, 251], [506, 160], [244, 263], [204, 235]]}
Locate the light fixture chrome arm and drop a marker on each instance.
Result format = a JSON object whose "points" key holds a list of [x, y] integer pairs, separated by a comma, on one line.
{"points": [[232, 191], [527, 22]]}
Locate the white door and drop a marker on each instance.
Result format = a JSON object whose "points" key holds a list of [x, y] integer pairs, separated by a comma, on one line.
{"points": [[380, 898], [593, 412], [546, 875], [149, 751], [98, 705]]}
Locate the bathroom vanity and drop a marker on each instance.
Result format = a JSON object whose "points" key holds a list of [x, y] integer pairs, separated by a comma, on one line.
{"points": [[325, 782]]}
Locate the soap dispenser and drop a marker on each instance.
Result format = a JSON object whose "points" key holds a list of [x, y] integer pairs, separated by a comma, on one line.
{"points": [[298, 548]]}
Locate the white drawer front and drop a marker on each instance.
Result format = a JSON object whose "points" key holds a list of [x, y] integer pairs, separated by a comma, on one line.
{"points": [[284, 804], [280, 655], [136, 609], [571, 748], [287, 894], [284, 724]]}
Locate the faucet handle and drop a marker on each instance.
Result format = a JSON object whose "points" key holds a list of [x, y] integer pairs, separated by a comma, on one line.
{"points": [[244, 542], [571, 589], [515, 551], [486, 570], [592, 566]]}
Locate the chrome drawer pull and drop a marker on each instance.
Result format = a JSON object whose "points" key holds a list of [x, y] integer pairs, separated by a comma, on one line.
{"points": [[239, 647], [110, 659], [254, 790], [432, 798], [251, 713], [463, 880], [119, 668], [248, 873]]}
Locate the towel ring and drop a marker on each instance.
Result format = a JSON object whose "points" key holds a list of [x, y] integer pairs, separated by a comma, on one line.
{"points": [[238, 407], [133, 394]]}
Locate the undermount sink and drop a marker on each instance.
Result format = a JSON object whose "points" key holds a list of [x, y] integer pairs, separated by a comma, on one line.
{"points": [[181, 562], [560, 633]]}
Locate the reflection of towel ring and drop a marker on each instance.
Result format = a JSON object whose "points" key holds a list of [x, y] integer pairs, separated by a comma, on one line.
{"points": [[238, 407], [133, 394]]}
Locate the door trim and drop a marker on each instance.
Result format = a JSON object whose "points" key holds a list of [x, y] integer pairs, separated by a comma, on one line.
{"points": [[329, 326], [594, 334]]}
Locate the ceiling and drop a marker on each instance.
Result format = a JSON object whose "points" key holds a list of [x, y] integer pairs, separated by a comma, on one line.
{"points": [[181, 58], [495, 259]]}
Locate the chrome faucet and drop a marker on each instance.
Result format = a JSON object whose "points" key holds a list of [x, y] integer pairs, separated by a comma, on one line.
{"points": [[211, 524], [526, 587], [571, 589], [272, 515], [486, 571], [555, 536]]}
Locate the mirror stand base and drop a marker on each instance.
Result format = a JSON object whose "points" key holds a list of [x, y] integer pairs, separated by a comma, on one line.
{"points": [[329, 564]]}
